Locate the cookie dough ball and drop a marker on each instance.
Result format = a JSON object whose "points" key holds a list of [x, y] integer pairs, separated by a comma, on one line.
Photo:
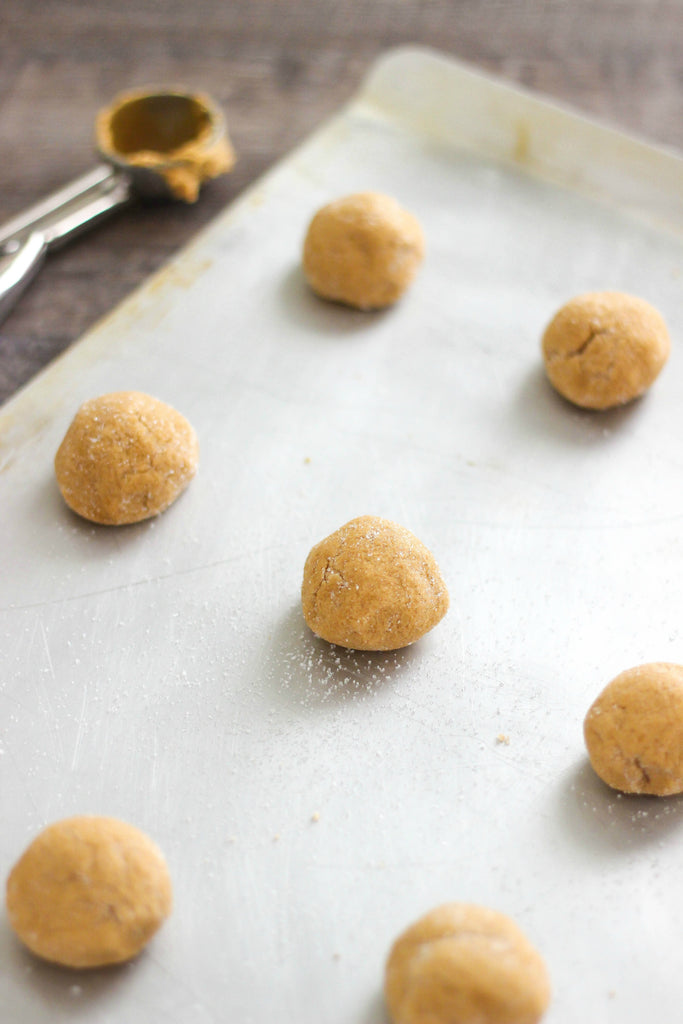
{"points": [[88, 891], [605, 348], [634, 730], [372, 586], [125, 457], [466, 964], [363, 250]]}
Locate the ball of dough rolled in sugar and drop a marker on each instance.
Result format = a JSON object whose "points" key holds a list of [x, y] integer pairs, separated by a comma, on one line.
{"points": [[363, 250], [88, 891], [372, 586], [604, 349], [467, 964], [125, 457], [634, 730]]}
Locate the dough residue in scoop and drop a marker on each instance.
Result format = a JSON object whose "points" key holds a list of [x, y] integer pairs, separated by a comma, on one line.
{"points": [[181, 137], [604, 349], [466, 963], [372, 586], [88, 891], [634, 730], [125, 457], [362, 250]]}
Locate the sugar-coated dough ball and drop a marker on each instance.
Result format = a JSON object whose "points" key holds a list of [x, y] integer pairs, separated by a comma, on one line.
{"points": [[372, 586], [465, 964], [88, 891], [634, 730], [605, 348], [125, 457], [363, 250]]}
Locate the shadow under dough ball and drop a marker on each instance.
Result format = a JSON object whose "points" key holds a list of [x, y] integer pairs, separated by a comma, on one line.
{"points": [[372, 586], [603, 349], [125, 457], [88, 891], [363, 250], [467, 964], [634, 730]]}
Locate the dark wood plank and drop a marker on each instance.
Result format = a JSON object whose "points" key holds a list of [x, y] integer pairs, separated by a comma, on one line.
{"points": [[277, 69]]}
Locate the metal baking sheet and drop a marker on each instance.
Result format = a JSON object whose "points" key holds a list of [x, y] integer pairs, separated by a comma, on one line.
{"points": [[312, 802]]}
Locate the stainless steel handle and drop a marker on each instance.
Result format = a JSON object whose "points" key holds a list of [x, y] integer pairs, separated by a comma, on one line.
{"points": [[25, 239], [20, 270]]}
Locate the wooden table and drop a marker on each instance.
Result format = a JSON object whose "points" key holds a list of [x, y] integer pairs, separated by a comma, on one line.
{"points": [[277, 68]]}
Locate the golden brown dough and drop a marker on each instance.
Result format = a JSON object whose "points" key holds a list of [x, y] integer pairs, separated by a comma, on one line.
{"points": [[125, 457], [363, 250], [465, 964], [605, 348], [88, 891], [634, 730], [372, 586]]}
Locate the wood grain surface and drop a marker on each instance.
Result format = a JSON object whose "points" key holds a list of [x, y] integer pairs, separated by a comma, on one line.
{"points": [[277, 68]]}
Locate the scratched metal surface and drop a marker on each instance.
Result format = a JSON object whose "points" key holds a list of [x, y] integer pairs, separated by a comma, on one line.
{"points": [[310, 801]]}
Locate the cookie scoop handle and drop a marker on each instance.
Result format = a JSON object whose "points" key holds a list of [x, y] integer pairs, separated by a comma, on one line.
{"points": [[20, 269], [25, 240]]}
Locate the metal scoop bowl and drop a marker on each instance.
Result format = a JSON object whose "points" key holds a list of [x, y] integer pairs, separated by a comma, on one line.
{"points": [[155, 144]]}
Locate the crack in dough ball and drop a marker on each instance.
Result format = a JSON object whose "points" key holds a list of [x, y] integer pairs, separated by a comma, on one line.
{"points": [[467, 964], [604, 349], [88, 891], [125, 457], [372, 586], [363, 250], [634, 730]]}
